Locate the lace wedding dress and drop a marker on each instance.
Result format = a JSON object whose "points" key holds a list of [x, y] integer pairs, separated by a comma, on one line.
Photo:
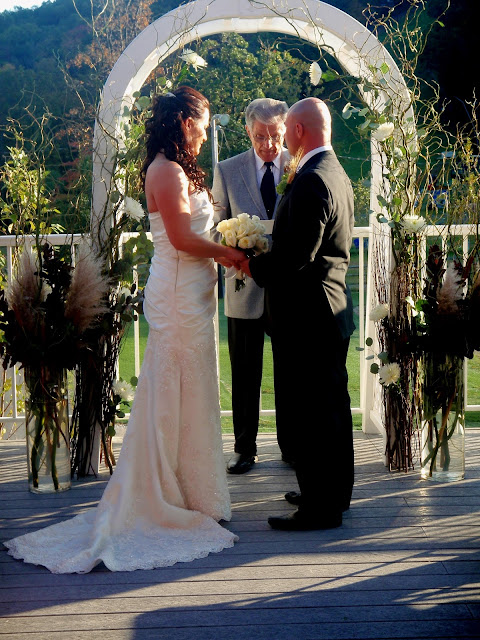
{"points": [[169, 488]]}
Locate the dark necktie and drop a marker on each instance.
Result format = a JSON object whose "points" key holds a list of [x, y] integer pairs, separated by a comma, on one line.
{"points": [[267, 189]]}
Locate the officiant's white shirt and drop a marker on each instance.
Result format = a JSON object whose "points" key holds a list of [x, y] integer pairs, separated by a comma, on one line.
{"points": [[261, 168]]}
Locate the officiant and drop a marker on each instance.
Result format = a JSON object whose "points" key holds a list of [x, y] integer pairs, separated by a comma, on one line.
{"points": [[247, 183]]}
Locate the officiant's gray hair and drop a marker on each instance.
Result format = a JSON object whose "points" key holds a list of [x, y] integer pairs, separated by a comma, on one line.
{"points": [[266, 111]]}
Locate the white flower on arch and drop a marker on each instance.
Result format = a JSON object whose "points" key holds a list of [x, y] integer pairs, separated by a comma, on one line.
{"points": [[412, 223], [134, 209], [383, 131], [190, 57], [315, 72], [389, 374]]}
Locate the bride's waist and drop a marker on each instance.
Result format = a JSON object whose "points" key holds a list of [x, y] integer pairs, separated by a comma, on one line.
{"points": [[166, 252], [167, 258]]}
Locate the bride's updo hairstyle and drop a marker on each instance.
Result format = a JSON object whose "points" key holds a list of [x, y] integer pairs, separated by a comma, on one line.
{"points": [[165, 131]]}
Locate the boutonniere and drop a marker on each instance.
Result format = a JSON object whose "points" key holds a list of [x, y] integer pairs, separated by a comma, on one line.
{"points": [[289, 172]]}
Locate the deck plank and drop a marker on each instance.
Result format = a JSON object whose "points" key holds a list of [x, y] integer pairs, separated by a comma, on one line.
{"points": [[405, 563]]}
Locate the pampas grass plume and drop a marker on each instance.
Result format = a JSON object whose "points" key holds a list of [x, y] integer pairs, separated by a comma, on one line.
{"points": [[85, 298], [25, 291], [450, 292]]}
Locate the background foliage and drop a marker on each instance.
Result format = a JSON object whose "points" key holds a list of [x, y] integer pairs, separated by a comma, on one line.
{"points": [[55, 59]]}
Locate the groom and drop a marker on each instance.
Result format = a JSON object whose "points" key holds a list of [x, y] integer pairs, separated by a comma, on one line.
{"points": [[310, 310]]}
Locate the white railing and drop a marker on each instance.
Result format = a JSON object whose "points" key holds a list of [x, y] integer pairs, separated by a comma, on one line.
{"points": [[361, 235]]}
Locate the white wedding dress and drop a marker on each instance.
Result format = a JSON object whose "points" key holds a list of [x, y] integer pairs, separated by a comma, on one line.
{"points": [[169, 488]]}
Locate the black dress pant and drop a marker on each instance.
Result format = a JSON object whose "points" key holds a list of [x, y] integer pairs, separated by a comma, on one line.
{"points": [[313, 408], [245, 345]]}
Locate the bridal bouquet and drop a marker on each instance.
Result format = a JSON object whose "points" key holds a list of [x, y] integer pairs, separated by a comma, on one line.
{"points": [[243, 232]]}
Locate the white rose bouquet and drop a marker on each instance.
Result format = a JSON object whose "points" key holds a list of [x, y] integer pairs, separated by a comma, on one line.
{"points": [[243, 232]]}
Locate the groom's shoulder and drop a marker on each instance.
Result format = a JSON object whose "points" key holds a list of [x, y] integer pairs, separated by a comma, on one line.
{"points": [[328, 165]]}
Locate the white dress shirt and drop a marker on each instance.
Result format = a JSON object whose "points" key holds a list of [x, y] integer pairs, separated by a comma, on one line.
{"points": [[313, 152], [261, 168]]}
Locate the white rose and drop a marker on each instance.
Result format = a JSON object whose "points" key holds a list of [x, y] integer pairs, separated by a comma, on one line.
{"points": [[232, 224], [190, 57], [379, 312], [222, 226], [383, 131], [242, 230], [247, 242], [230, 238]]}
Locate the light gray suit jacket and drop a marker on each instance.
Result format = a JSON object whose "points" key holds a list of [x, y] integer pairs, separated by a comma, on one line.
{"points": [[235, 190]]}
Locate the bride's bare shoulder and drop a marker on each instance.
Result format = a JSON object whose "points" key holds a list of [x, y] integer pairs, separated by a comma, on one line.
{"points": [[166, 169], [165, 182]]}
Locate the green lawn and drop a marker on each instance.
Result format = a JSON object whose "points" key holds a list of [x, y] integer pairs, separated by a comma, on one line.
{"points": [[267, 423]]}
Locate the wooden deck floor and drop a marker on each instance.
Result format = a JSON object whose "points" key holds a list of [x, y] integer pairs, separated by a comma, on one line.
{"points": [[405, 564]]}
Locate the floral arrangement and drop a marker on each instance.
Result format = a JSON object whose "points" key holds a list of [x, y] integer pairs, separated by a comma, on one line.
{"points": [[425, 174], [243, 232], [45, 314], [422, 353]]}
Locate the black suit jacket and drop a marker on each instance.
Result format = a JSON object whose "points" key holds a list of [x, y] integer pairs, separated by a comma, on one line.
{"points": [[304, 273]]}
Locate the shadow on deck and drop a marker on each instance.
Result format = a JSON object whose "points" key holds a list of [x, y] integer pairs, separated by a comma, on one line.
{"points": [[405, 564]]}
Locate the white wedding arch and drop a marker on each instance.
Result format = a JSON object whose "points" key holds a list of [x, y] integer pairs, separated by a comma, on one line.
{"points": [[357, 50]]}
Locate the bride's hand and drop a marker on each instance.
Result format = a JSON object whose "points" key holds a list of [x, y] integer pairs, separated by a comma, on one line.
{"points": [[225, 262], [234, 257]]}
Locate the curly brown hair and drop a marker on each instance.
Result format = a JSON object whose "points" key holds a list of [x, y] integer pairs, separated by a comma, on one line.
{"points": [[165, 132]]}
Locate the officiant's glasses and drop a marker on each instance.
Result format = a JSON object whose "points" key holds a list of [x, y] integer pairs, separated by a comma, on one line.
{"points": [[261, 139]]}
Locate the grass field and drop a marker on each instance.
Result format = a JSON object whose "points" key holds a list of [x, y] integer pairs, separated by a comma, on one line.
{"points": [[267, 423]]}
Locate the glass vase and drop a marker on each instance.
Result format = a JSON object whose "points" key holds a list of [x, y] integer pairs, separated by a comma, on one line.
{"points": [[47, 430], [443, 424]]}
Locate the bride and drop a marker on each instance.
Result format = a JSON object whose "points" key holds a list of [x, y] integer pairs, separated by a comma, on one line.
{"points": [[168, 492]]}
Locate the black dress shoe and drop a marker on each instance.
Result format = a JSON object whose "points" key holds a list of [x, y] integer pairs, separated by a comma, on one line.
{"points": [[295, 497], [240, 463], [288, 460], [297, 521]]}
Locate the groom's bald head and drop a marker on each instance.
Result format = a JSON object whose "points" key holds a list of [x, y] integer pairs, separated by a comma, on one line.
{"points": [[309, 125]]}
